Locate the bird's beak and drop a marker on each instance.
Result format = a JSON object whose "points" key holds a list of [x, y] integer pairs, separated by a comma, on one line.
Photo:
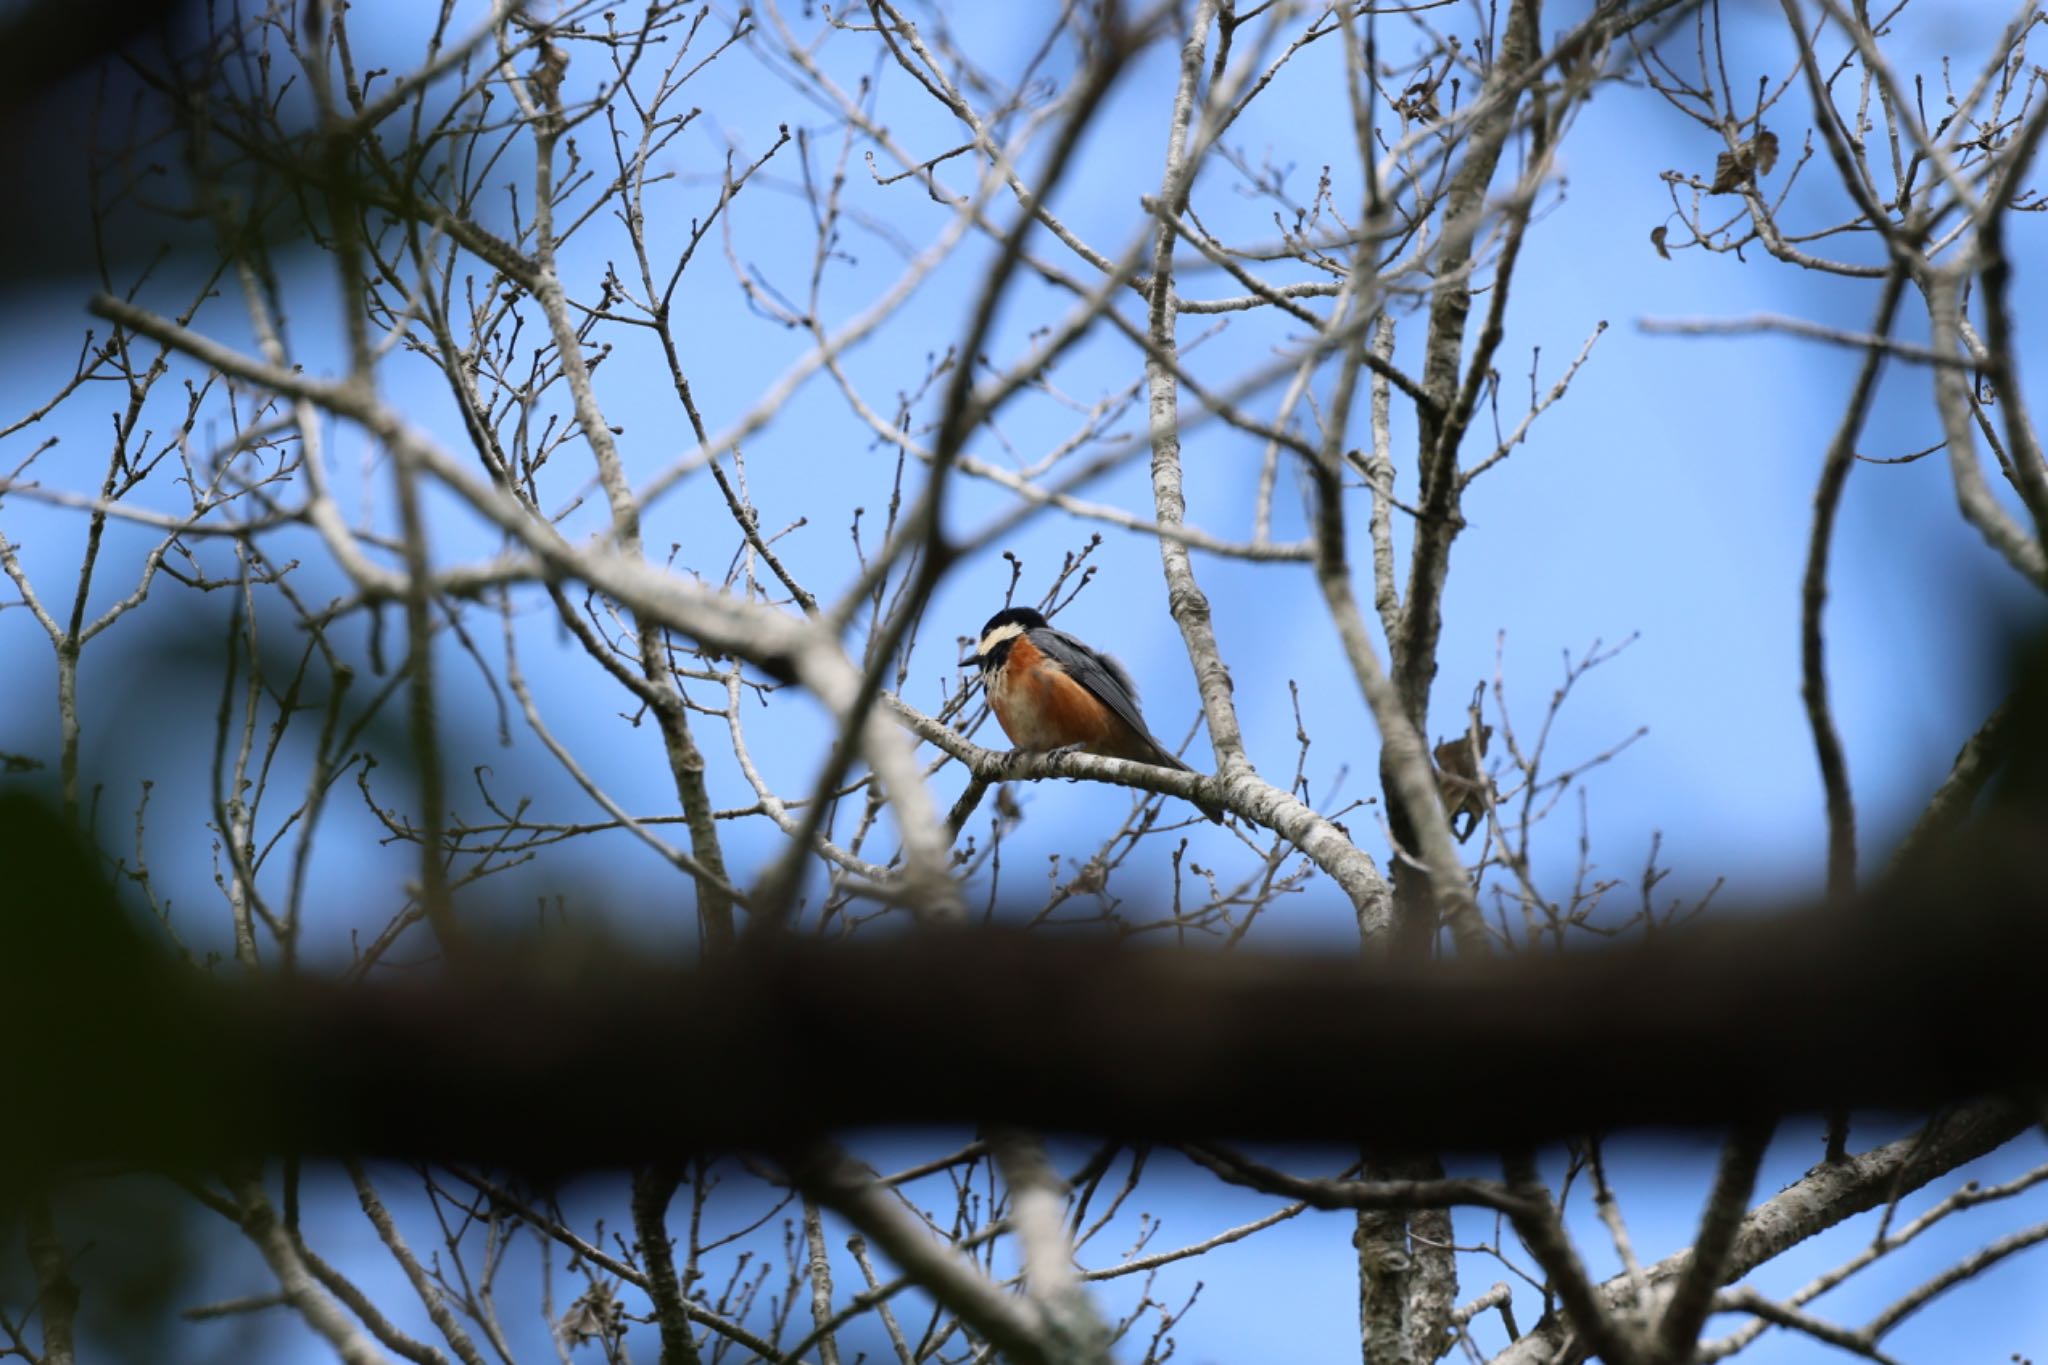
{"points": [[969, 660]]}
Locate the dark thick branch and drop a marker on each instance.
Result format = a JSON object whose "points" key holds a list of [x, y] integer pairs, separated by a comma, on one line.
{"points": [[1918, 994], [653, 1188], [1414, 647], [1692, 1293], [1813, 596]]}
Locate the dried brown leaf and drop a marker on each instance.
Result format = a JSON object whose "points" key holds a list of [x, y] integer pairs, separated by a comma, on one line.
{"points": [[1733, 170], [596, 1315], [1765, 145], [1418, 103], [1465, 790]]}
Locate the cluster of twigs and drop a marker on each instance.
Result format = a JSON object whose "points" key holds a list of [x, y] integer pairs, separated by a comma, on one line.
{"points": [[499, 229]]}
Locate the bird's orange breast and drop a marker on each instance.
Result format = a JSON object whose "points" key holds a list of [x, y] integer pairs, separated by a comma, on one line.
{"points": [[1040, 707]]}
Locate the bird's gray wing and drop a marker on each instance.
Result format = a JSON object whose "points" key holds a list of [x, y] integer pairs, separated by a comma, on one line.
{"points": [[1104, 677]]}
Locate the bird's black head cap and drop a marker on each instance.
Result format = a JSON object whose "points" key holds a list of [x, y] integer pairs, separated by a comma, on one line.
{"points": [[1024, 618]]}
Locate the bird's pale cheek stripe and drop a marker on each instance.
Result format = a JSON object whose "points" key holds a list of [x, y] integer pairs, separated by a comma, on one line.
{"points": [[997, 636]]}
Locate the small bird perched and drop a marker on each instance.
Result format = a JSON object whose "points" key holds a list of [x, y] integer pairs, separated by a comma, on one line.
{"points": [[1050, 691]]}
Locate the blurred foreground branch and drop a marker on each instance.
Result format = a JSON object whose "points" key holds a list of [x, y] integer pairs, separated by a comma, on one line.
{"points": [[1921, 993]]}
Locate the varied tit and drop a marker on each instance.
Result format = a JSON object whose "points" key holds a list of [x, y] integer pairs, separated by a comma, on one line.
{"points": [[1050, 691]]}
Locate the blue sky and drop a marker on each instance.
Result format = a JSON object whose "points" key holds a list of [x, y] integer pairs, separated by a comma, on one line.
{"points": [[1667, 496]]}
